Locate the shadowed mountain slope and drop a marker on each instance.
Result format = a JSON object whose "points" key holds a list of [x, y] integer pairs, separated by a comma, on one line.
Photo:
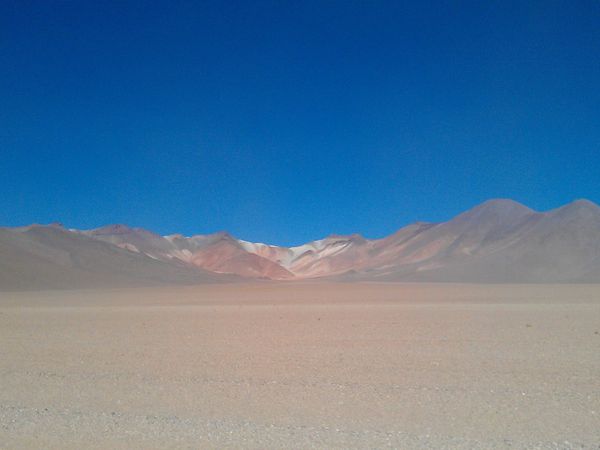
{"points": [[499, 241], [219, 252], [47, 257], [502, 242]]}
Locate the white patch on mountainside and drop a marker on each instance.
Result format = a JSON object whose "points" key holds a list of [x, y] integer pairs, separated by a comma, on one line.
{"points": [[496, 241], [50, 257]]}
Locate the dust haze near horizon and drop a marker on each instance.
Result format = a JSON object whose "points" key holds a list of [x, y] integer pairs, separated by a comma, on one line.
{"points": [[499, 241], [299, 224]]}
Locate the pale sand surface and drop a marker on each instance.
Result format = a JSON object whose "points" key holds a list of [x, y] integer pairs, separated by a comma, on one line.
{"points": [[302, 365]]}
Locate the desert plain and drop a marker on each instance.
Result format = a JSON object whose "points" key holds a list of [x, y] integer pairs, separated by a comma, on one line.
{"points": [[302, 365]]}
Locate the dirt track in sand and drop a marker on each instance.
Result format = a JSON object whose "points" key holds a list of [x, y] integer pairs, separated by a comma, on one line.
{"points": [[302, 365]]}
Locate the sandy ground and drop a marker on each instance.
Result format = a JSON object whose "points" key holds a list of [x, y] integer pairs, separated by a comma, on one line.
{"points": [[301, 366]]}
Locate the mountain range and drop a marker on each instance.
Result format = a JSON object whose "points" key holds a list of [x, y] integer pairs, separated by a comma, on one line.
{"points": [[499, 241]]}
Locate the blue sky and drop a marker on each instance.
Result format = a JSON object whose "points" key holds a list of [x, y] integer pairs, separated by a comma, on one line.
{"points": [[283, 122]]}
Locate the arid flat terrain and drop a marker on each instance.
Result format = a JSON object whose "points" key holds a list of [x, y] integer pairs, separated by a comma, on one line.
{"points": [[302, 365]]}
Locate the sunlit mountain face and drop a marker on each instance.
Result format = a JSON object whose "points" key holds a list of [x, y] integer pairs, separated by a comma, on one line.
{"points": [[498, 241]]}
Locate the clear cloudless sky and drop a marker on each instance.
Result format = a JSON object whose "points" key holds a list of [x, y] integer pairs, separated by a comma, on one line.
{"points": [[285, 121]]}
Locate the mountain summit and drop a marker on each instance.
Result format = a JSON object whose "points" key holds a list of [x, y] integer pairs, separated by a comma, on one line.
{"points": [[500, 241]]}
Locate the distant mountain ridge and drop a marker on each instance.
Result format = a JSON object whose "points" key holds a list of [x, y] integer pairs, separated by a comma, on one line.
{"points": [[498, 241]]}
